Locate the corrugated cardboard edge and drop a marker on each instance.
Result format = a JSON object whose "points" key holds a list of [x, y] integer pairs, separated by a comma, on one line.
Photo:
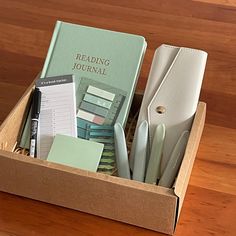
{"points": [[111, 197], [190, 154]]}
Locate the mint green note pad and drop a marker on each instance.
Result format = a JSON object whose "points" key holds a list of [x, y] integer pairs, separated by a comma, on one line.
{"points": [[75, 152]]}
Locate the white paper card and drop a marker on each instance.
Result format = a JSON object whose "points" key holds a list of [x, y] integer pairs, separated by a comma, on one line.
{"points": [[58, 111]]}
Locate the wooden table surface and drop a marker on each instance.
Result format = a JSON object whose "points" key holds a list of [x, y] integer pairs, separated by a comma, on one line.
{"points": [[26, 27]]}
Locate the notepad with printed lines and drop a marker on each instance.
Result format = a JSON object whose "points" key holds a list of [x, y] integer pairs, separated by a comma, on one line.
{"points": [[58, 111]]}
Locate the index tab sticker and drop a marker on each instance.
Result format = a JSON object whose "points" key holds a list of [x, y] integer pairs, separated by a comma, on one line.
{"points": [[101, 93], [90, 117], [97, 101]]}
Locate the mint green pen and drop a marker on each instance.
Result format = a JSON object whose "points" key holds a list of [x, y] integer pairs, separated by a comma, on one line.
{"points": [[121, 152], [140, 154], [153, 170], [174, 163]]}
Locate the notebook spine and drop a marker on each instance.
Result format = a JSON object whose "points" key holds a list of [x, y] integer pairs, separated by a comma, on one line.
{"points": [[51, 48]]}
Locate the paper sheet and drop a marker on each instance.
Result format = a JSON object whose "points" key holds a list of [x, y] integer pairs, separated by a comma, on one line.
{"points": [[58, 111]]}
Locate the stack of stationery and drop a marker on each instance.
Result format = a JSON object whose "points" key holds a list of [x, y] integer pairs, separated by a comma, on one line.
{"points": [[58, 111], [86, 88], [105, 66]]}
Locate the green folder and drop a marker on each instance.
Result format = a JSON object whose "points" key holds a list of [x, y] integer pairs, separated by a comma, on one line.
{"points": [[75, 152]]}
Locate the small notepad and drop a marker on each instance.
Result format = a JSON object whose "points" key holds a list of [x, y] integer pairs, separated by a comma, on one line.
{"points": [[58, 111], [76, 152]]}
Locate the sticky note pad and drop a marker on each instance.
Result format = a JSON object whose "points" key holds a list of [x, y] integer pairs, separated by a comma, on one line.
{"points": [[76, 152]]}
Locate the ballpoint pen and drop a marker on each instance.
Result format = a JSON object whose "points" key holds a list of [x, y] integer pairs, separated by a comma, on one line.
{"points": [[36, 103]]}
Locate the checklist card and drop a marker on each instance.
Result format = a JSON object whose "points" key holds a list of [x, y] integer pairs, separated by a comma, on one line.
{"points": [[58, 111]]}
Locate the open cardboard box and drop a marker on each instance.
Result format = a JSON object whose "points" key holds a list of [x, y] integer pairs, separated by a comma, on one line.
{"points": [[145, 205]]}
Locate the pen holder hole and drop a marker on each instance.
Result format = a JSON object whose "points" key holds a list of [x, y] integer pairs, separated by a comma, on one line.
{"points": [[160, 110]]}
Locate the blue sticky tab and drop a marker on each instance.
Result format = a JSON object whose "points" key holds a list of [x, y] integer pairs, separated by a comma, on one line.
{"points": [[100, 134], [83, 123], [81, 133], [102, 127]]}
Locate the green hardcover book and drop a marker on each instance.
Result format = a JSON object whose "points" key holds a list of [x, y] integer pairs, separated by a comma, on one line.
{"points": [[106, 66], [107, 57]]}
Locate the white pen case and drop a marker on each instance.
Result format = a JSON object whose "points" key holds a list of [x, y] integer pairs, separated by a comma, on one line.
{"points": [[171, 95]]}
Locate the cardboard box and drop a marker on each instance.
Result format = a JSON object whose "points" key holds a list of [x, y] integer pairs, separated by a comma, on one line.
{"points": [[107, 196]]}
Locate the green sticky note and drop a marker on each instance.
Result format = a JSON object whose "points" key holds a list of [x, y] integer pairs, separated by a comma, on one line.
{"points": [[75, 152]]}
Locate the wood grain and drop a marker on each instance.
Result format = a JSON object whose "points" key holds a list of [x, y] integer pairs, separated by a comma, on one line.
{"points": [[26, 27]]}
